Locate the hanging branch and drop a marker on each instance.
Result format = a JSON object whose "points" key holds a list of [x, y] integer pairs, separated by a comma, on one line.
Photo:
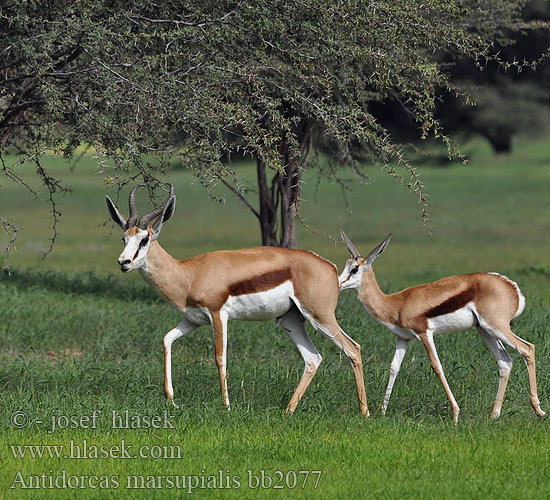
{"points": [[241, 197], [11, 230]]}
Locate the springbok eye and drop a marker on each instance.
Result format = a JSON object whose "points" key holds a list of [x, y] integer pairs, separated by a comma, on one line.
{"points": [[144, 241], [354, 270]]}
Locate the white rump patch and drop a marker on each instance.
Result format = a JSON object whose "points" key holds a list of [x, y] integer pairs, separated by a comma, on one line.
{"points": [[261, 305], [521, 297]]}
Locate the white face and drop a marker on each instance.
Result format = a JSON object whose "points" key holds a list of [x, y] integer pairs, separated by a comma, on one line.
{"points": [[352, 273], [136, 245]]}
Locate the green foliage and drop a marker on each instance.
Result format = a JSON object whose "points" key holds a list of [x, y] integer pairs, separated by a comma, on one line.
{"points": [[133, 79]]}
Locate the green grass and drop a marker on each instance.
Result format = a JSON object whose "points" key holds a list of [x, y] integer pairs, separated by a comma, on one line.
{"points": [[76, 336]]}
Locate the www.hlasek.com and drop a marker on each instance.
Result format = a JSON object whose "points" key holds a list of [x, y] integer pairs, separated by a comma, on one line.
{"points": [[221, 479]]}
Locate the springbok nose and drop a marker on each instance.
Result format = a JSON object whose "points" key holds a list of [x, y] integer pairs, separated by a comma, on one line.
{"points": [[123, 263]]}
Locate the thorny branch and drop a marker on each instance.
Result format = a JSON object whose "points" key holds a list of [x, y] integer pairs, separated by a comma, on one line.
{"points": [[189, 24], [11, 230], [241, 197], [52, 185]]}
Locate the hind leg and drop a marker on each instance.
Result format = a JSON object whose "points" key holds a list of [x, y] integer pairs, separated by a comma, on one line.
{"points": [[527, 350], [330, 328], [504, 362], [293, 323]]}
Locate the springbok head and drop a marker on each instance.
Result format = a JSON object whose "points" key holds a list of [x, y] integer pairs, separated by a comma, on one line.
{"points": [[357, 265], [138, 234]]}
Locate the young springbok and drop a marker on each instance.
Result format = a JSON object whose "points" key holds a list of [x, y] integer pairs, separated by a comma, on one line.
{"points": [[488, 301], [250, 284]]}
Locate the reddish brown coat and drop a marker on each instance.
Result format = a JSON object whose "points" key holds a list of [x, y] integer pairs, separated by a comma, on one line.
{"points": [[494, 297]]}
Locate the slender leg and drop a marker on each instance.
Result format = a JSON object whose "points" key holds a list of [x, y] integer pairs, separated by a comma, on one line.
{"points": [[400, 351], [293, 323], [330, 328], [428, 343], [219, 326], [527, 350], [184, 327], [504, 362]]}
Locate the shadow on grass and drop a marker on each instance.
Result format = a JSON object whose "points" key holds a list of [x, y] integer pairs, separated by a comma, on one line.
{"points": [[89, 283]]}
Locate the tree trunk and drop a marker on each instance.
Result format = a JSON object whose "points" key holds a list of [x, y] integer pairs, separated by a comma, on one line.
{"points": [[279, 202], [268, 214], [501, 142]]}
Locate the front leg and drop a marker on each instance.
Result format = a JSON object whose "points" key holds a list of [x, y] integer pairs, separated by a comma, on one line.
{"points": [[428, 342], [219, 327], [184, 327], [400, 351]]}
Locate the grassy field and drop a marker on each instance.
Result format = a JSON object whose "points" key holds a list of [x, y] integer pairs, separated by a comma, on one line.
{"points": [[77, 336]]}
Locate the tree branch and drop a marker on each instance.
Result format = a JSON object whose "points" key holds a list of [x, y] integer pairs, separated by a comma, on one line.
{"points": [[190, 24], [241, 197], [11, 229]]}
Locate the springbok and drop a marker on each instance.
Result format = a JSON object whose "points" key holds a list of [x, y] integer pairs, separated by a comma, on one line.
{"points": [[488, 301], [249, 284]]}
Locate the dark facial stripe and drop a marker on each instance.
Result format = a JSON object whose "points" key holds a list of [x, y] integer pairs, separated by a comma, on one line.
{"points": [[452, 304], [261, 283]]}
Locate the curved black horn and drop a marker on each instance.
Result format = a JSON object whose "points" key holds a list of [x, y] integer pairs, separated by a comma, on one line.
{"points": [[133, 217], [153, 214]]}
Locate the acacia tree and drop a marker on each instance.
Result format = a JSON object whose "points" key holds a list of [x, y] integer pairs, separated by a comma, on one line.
{"points": [[270, 79]]}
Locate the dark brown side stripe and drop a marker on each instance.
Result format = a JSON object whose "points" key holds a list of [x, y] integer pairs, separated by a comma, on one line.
{"points": [[452, 304], [261, 283]]}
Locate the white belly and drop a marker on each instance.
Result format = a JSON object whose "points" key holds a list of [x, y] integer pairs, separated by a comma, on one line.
{"points": [[403, 333], [262, 305], [458, 320]]}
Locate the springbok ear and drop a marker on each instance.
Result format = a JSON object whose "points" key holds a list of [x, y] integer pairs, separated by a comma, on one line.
{"points": [[378, 250], [166, 215], [352, 249], [114, 213]]}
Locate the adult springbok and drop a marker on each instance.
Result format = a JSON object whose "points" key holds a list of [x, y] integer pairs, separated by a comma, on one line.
{"points": [[488, 301], [250, 284]]}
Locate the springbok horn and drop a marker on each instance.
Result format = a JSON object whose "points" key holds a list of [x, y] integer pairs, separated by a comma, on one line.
{"points": [[350, 246], [133, 217], [145, 219]]}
